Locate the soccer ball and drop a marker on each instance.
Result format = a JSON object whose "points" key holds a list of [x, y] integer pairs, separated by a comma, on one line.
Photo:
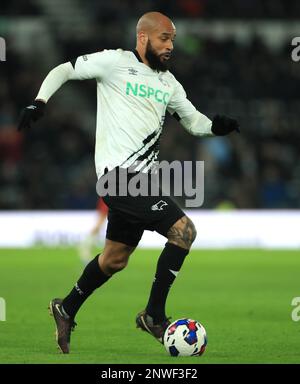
{"points": [[185, 337]]}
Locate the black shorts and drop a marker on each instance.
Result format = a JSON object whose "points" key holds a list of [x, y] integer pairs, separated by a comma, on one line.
{"points": [[129, 216]]}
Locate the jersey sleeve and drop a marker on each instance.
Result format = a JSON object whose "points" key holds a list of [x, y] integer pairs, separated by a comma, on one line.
{"points": [[179, 105], [185, 112], [95, 65]]}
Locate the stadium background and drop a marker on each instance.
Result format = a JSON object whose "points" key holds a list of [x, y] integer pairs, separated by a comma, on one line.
{"points": [[233, 59]]}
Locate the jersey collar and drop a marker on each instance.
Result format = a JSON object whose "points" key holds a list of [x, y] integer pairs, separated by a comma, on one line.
{"points": [[135, 52], [137, 55]]}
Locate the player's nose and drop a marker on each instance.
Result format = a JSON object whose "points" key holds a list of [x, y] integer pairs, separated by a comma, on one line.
{"points": [[170, 46]]}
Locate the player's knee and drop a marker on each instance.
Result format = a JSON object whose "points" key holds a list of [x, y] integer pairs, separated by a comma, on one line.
{"points": [[112, 263], [191, 232], [117, 266], [113, 266], [183, 233], [194, 232], [115, 257]]}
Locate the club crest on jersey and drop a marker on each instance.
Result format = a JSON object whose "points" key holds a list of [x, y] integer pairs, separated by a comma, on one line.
{"points": [[163, 81], [132, 71], [159, 206]]}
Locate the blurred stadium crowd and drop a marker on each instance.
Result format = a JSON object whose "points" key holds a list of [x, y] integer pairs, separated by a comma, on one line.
{"points": [[52, 166], [118, 9]]}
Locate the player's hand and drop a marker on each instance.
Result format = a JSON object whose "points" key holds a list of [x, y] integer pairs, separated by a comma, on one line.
{"points": [[31, 113], [222, 125]]}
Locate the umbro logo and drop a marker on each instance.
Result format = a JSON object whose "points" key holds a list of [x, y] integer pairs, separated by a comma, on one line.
{"points": [[159, 206], [132, 71]]}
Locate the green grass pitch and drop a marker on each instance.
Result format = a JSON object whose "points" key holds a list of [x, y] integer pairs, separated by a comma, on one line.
{"points": [[242, 297]]}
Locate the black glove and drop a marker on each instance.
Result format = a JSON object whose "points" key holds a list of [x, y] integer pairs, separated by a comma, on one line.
{"points": [[222, 125], [31, 113]]}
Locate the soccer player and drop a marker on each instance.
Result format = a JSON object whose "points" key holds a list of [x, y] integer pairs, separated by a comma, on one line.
{"points": [[85, 248], [134, 91]]}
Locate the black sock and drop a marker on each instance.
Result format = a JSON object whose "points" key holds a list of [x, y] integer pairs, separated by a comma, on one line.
{"points": [[93, 277], [169, 264]]}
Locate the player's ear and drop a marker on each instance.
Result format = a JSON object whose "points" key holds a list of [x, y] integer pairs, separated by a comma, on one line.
{"points": [[143, 37]]}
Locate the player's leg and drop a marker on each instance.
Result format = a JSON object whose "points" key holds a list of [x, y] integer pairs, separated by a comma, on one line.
{"points": [[180, 235], [113, 259], [180, 238]]}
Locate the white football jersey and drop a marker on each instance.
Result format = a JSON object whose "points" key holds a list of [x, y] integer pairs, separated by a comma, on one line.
{"points": [[132, 100]]}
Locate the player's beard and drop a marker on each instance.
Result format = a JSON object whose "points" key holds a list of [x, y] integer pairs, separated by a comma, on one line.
{"points": [[154, 59]]}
